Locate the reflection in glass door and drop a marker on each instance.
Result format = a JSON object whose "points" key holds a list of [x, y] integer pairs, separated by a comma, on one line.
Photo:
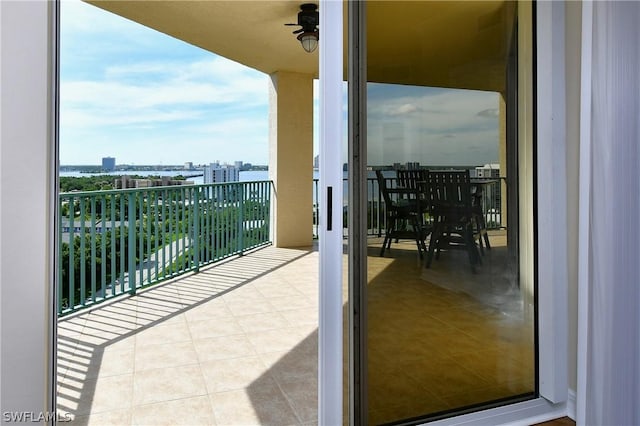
{"points": [[449, 323]]}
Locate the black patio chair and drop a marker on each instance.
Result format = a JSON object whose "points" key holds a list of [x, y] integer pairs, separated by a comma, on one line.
{"points": [[402, 215], [451, 205]]}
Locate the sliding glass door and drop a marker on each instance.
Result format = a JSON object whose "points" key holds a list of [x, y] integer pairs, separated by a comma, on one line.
{"points": [[441, 288]]}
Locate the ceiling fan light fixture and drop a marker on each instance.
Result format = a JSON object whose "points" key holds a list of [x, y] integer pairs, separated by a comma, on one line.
{"points": [[309, 41], [308, 21]]}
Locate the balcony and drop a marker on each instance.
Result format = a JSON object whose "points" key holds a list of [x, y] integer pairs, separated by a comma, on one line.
{"points": [[228, 333]]}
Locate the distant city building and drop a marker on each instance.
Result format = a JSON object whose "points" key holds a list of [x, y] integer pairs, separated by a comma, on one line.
{"points": [[486, 171], [188, 165], [108, 164], [491, 193], [215, 173], [238, 165], [316, 162], [127, 182], [413, 165]]}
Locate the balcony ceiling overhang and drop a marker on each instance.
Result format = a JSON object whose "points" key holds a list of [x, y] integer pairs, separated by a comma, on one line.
{"points": [[433, 43]]}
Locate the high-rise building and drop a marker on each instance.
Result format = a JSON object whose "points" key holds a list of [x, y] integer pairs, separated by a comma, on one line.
{"points": [[108, 164], [188, 165], [215, 173], [486, 171]]}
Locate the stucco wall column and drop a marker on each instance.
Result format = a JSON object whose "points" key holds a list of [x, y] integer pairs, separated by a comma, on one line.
{"points": [[291, 157]]}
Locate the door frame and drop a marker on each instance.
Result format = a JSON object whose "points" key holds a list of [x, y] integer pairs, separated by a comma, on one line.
{"points": [[330, 227], [548, 127]]}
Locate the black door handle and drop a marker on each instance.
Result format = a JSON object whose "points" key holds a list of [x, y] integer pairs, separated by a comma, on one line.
{"points": [[329, 208]]}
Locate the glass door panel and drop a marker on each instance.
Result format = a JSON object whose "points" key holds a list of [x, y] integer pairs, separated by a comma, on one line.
{"points": [[447, 324]]}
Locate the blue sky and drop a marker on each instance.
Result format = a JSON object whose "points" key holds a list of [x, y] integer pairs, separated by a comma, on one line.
{"points": [[135, 94], [143, 97]]}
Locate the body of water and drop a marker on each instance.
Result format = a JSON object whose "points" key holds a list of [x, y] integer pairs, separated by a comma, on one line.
{"points": [[245, 176]]}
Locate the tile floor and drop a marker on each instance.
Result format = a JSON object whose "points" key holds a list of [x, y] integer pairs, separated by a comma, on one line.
{"points": [[232, 345], [236, 344]]}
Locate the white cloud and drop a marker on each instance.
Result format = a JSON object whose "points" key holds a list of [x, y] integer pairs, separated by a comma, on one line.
{"points": [[404, 109], [140, 95], [489, 113]]}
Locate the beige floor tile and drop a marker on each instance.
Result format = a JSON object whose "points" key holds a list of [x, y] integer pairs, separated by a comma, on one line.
{"points": [[67, 344], [97, 395], [239, 307], [232, 374], [112, 330], [113, 318], [291, 366], [100, 341], [261, 322], [102, 363], [193, 286], [159, 334], [166, 384], [109, 418], [71, 327], [149, 317], [160, 306], [120, 343], [271, 288], [283, 339], [291, 302], [69, 394], [149, 357], [226, 347], [93, 339], [66, 361], [188, 411], [216, 327], [245, 292], [215, 308], [295, 317], [262, 404], [303, 397], [310, 291]]}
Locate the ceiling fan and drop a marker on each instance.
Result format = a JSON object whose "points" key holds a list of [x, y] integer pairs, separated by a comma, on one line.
{"points": [[308, 20]]}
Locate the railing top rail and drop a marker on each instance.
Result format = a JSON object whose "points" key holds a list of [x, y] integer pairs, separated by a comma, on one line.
{"points": [[373, 178], [155, 188]]}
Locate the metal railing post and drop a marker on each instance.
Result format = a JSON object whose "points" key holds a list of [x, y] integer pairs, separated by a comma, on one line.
{"points": [[241, 219], [196, 228], [59, 257], [83, 267], [131, 249]]}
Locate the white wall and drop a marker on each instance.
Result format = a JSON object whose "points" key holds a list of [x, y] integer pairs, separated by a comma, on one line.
{"points": [[26, 154]]}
